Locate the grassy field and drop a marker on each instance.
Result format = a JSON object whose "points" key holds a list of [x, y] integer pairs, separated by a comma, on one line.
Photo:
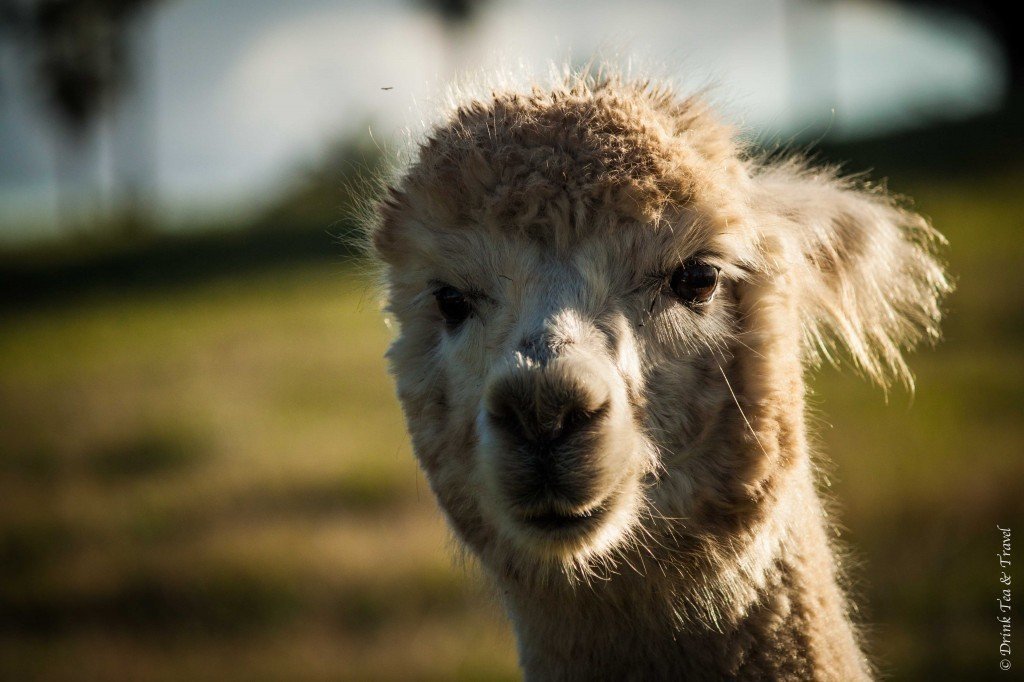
{"points": [[213, 482]]}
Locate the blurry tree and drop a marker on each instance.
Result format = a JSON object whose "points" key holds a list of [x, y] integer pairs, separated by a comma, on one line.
{"points": [[454, 12], [81, 58], [328, 193], [455, 16]]}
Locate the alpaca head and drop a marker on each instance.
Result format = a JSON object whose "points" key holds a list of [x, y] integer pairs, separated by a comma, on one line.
{"points": [[574, 272]]}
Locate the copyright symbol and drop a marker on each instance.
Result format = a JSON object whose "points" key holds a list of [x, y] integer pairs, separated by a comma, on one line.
{"points": [[1004, 664]]}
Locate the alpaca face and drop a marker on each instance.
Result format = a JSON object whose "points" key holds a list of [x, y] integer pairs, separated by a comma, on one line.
{"points": [[575, 274], [528, 370], [563, 301]]}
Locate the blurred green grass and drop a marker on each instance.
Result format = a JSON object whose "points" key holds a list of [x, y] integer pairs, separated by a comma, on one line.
{"points": [[215, 483], [212, 481]]}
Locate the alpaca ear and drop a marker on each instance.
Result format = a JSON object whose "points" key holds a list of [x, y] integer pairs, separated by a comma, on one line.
{"points": [[864, 270]]}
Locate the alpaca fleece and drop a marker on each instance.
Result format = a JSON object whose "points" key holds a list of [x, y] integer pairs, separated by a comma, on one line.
{"points": [[689, 540]]}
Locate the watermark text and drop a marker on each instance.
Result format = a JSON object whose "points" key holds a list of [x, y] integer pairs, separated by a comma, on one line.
{"points": [[1003, 617]]}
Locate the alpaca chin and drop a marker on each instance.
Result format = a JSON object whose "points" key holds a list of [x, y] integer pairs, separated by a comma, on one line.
{"points": [[574, 540], [576, 545]]}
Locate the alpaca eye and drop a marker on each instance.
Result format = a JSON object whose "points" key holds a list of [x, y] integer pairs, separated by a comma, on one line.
{"points": [[694, 282], [453, 305]]}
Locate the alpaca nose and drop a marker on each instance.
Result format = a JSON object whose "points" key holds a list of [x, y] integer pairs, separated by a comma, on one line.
{"points": [[549, 421], [545, 419]]}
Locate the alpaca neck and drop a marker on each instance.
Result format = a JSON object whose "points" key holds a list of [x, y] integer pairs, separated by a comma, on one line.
{"points": [[790, 624]]}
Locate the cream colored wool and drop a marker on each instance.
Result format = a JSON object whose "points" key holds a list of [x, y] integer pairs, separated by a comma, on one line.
{"points": [[561, 213]]}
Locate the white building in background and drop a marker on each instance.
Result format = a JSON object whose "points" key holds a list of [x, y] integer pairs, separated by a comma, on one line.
{"points": [[241, 93]]}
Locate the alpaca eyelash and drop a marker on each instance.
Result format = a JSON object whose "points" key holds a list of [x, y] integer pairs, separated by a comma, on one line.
{"points": [[470, 292], [713, 258], [658, 284]]}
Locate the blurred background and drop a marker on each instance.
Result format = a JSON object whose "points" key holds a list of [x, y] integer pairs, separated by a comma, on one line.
{"points": [[203, 469]]}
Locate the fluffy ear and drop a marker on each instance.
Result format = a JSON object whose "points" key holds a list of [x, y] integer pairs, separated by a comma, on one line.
{"points": [[865, 270]]}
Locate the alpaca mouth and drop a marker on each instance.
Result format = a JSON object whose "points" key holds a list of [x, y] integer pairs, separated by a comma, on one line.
{"points": [[554, 520]]}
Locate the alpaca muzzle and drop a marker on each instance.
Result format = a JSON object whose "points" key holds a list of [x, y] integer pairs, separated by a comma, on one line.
{"points": [[549, 427]]}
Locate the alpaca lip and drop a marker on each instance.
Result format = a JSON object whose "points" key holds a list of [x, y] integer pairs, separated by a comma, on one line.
{"points": [[554, 520]]}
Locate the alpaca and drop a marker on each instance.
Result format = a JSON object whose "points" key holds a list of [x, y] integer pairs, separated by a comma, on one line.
{"points": [[606, 306]]}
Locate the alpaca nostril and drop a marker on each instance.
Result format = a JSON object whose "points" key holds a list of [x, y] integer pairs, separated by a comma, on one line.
{"points": [[573, 418], [543, 424]]}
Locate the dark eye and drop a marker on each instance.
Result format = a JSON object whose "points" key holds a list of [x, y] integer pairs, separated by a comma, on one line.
{"points": [[694, 282], [453, 305]]}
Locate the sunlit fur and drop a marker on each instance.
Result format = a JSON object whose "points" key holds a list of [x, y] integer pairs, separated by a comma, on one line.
{"points": [[561, 212]]}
